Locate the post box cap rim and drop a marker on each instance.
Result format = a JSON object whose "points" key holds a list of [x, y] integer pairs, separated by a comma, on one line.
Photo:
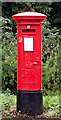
{"points": [[29, 13]]}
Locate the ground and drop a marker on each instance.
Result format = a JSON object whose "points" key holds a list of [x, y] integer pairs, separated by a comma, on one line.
{"points": [[16, 116]]}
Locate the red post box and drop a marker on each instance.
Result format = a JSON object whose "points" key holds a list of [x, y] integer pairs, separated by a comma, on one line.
{"points": [[29, 62]]}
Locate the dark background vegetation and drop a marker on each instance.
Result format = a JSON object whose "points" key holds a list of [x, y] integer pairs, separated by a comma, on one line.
{"points": [[51, 30]]}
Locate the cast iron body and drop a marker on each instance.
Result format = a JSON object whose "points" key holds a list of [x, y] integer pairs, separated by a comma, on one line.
{"points": [[29, 61]]}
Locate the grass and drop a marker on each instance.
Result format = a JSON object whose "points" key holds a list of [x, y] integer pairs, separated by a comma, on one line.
{"points": [[8, 103], [51, 104]]}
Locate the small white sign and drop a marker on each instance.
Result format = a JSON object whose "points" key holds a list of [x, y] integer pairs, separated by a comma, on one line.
{"points": [[28, 43]]}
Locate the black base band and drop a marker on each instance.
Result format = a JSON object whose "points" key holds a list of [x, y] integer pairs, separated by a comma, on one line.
{"points": [[30, 102]]}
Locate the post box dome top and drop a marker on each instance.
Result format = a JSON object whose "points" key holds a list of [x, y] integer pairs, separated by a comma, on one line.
{"points": [[29, 15]]}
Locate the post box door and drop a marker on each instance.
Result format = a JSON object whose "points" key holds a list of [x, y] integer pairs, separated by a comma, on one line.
{"points": [[29, 59]]}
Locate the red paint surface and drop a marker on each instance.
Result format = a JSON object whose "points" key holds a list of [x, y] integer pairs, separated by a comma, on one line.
{"points": [[29, 63]]}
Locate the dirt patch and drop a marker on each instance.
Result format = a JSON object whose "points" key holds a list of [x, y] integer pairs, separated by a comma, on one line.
{"points": [[27, 117], [13, 115]]}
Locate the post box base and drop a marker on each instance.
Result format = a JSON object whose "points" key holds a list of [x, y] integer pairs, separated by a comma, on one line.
{"points": [[30, 102]]}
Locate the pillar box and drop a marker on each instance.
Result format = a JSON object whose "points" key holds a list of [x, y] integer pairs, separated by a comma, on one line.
{"points": [[29, 62]]}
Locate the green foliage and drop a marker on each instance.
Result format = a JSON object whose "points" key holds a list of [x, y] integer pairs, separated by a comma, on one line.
{"points": [[9, 55], [7, 101], [17, 7], [8, 118], [55, 15], [50, 50], [51, 104]]}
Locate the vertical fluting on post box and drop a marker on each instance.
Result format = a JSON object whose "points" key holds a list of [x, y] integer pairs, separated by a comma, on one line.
{"points": [[29, 62]]}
